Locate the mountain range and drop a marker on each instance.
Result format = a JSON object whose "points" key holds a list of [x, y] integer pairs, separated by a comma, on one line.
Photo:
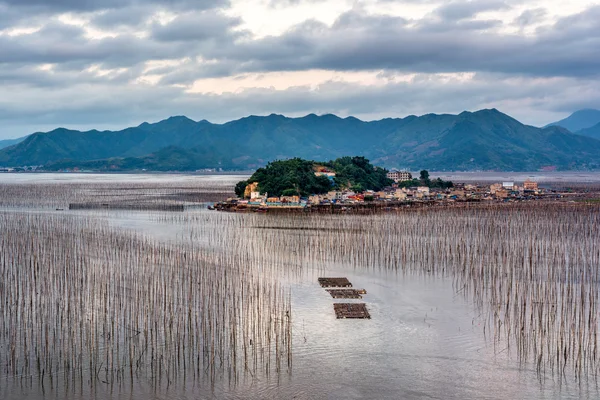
{"points": [[583, 122], [579, 120], [481, 140], [10, 142]]}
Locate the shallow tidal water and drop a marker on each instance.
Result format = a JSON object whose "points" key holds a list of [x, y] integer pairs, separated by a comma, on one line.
{"points": [[423, 341]]}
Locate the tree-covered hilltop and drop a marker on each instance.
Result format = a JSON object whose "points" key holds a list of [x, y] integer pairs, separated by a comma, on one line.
{"points": [[287, 178], [297, 177], [358, 174]]}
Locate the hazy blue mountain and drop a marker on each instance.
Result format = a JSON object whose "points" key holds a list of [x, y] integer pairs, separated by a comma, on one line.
{"points": [[482, 140], [11, 142], [593, 132], [487, 139], [579, 120]]}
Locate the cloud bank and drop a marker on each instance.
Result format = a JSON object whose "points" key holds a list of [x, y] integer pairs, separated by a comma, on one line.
{"points": [[110, 64]]}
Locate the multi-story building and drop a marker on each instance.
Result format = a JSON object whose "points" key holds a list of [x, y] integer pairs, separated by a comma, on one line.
{"points": [[530, 185], [399, 176]]}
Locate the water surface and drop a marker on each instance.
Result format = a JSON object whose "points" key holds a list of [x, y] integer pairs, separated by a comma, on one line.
{"points": [[424, 340]]}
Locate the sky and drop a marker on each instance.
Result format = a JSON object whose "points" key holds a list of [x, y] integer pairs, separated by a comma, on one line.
{"points": [[109, 64]]}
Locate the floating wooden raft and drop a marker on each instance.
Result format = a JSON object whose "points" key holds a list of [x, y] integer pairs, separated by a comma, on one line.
{"points": [[334, 282], [351, 310], [347, 293]]}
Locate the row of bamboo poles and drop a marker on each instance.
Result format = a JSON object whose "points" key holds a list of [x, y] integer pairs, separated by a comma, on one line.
{"points": [[531, 270], [81, 302]]}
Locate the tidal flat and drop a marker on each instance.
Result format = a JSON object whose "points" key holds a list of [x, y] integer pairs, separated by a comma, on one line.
{"points": [[464, 303]]}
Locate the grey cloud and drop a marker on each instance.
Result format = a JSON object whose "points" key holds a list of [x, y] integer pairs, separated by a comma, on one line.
{"points": [[529, 17], [61, 5], [188, 35], [358, 18], [196, 26], [9, 16], [458, 10], [61, 43], [356, 41], [102, 13], [134, 16], [287, 3], [30, 77], [189, 72], [94, 5], [569, 48], [445, 26], [125, 106], [581, 23]]}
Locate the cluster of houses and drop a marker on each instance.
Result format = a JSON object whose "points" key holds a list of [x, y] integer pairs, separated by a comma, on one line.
{"points": [[510, 189], [460, 192], [497, 191]]}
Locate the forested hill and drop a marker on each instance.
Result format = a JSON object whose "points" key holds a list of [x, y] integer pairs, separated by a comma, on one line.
{"points": [[482, 140], [300, 177]]}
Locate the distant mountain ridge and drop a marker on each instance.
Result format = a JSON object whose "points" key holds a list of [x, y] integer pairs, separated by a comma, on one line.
{"points": [[593, 132], [11, 142], [579, 120], [481, 140]]}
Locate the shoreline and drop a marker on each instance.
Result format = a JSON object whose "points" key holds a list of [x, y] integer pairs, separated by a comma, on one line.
{"points": [[382, 207]]}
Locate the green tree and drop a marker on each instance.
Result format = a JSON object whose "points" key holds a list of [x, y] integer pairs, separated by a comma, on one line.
{"points": [[352, 171], [357, 188], [297, 176], [289, 192], [240, 187]]}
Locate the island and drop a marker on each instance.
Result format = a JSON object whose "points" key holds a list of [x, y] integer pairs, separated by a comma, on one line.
{"points": [[298, 184]]}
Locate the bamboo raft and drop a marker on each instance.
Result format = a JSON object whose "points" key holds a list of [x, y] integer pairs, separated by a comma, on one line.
{"points": [[334, 282], [351, 310], [347, 293]]}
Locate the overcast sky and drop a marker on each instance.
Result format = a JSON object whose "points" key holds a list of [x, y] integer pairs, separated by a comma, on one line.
{"points": [[110, 64]]}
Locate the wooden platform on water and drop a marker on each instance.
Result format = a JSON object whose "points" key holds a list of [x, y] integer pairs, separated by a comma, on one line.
{"points": [[351, 310], [347, 293], [334, 282]]}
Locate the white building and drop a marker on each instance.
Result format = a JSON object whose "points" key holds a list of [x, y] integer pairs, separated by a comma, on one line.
{"points": [[399, 176]]}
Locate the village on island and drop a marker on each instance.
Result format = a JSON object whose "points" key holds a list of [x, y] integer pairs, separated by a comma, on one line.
{"points": [[396, 189]]}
